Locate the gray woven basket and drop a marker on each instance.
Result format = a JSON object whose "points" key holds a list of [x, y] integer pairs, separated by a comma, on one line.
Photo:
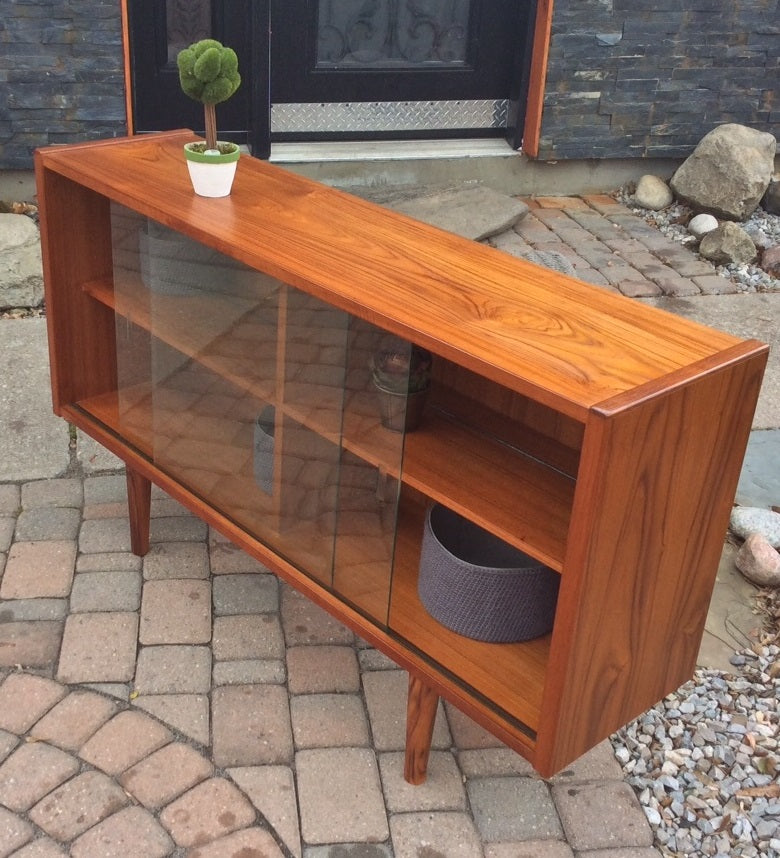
{"points": [[479, 586]]}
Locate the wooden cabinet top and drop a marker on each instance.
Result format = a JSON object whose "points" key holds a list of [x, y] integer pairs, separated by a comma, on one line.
{"points": [[573, 346]]}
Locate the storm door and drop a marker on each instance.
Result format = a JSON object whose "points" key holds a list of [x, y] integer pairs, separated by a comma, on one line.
{"points": [[368, 69], [159, 29], [340, 69]]}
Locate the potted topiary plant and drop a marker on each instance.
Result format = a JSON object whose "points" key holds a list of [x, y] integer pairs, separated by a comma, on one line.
{"points": [[208, 72], [402, 375]]}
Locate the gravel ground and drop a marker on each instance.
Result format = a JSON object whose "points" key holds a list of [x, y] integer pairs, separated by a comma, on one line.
{"points": [[672, 221], [705, 762]]}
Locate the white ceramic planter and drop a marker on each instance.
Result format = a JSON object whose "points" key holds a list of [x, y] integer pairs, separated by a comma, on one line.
{"points": [[211, 172]]}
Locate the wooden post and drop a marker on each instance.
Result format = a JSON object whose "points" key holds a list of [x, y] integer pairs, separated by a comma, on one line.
{"points": [[421, 706], [139, 499]]}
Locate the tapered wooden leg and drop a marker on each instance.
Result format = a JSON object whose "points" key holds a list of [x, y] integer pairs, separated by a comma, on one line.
{"points": [[421, 708], [139, 500]]}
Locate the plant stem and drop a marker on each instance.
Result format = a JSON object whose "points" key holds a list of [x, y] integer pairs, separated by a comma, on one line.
{"points": [[210, 114]]}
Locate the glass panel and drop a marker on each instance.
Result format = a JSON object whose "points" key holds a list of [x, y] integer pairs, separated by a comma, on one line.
{"points": [[259, 399], [187, 21], [392, 33]]}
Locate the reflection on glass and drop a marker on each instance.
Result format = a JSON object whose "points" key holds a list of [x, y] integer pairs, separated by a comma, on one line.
{"points": [[392, 33], [186, 21], [257, 398]]}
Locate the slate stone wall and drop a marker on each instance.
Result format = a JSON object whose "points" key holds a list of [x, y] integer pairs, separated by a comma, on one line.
{"points": [[648, 78], [61, 75]]}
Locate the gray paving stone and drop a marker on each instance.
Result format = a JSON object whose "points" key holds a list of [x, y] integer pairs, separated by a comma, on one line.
{"points": [[131, 832], [187, 713], [249, 672], [245, 594], [34, 443], [10, 499], [466, 733], [386, 694], [601, 815], [175, 612], [173, 670], [176, 560], [74, 720], [17, 610], [105, 489], [65, 492], [7, 528], [123, 741], [598, 764], [25, 698], [93, 457], [322, 669], [110, 562], [622, 852], [350, 850], [166, 774], [442, 790], [177, 528], [271, 789], [329, 721], [251, 725], [512, 809], [532, 849], [252, 637], [99, 648], [306, 623], [214, 807], [449, 833], [78, 804], [493, 762], [106, 591], [340, 796], [228, 559], [32, 771], [14, 832], [104, 536], [30, 643], [39, 570], [8, 741]]}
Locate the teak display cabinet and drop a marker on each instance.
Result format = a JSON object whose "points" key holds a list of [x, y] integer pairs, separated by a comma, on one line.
{"points": [[221, 348]]}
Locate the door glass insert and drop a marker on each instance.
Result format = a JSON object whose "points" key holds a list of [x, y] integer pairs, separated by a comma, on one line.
{"points": [[392, 33], [259, 399], [187, 21]]}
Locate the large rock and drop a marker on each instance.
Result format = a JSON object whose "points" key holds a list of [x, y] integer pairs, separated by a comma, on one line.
{"points": [[770, 261], [728, 172], [21, 275], [726, 244], [770, 202], [748, 519]]}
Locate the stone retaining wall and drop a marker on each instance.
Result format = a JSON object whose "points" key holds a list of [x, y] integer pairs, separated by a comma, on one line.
{"points": [[61, 75], [648, 78]]}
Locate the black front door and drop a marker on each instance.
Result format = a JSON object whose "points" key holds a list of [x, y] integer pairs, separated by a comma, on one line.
{"points": [[340, 69], [357, 69], [159, 29]]}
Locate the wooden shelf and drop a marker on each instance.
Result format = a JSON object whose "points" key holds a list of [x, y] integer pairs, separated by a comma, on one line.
{"points": [[515, 496], [511, 676], [208, 328]]}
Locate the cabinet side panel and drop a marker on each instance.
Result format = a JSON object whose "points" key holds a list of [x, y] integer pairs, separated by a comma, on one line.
{"points": [[650, 515], [76, 249]]}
